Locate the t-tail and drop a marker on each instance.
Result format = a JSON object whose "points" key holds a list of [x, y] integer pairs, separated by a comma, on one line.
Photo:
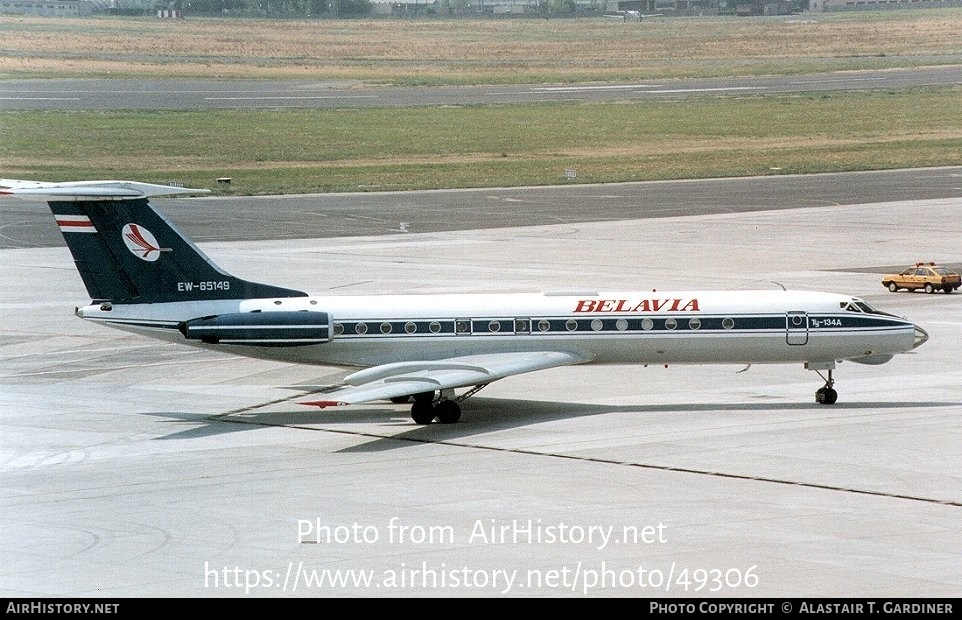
{"points": [[127, 252]]}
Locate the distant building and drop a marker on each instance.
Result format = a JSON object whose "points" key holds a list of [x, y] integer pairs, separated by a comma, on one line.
{"points": [[60, 8], [665, 7], [435, 7]]}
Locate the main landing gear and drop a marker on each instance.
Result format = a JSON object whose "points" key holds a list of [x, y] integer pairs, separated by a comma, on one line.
{"points": [[446, 408], [424, 410]]}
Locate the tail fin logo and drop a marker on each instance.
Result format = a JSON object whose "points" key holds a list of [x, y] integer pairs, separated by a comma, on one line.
{"points": [[142, 243]]}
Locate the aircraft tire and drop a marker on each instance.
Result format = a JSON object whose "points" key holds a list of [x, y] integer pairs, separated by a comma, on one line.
{"points": [[422, 413], [826, 396], [448, 412]]}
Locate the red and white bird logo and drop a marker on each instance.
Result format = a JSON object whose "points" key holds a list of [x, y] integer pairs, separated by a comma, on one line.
{"points": [[141, 242]]}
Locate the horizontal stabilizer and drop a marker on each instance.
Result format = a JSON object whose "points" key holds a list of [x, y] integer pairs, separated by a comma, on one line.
{"points": [[91, 190]]}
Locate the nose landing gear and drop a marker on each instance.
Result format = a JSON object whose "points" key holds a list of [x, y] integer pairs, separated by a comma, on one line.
{"points": [[826, 395]]}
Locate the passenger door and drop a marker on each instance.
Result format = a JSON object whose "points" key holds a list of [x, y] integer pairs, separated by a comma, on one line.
{"points": [[796, 328]]}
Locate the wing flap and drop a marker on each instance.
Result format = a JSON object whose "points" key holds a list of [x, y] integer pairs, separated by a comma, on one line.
{"points": [[407, 378]]}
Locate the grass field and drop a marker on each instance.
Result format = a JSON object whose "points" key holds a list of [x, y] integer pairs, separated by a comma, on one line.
{"points": [[477, 51], [277, 151], [273, 151]]}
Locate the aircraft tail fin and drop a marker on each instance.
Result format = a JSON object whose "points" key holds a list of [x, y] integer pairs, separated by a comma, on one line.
{"points": [[128, 252]]}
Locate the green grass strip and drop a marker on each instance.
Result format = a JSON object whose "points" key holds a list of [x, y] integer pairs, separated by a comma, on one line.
{"points": [[283, 151]]}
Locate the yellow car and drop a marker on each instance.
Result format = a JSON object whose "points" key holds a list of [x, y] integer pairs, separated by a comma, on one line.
{"points": [[927, 276]]}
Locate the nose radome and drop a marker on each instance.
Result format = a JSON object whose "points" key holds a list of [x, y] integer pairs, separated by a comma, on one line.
{"points": [[920, 337]]}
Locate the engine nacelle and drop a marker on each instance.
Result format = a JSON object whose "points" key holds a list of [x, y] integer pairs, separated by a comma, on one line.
{"points": [[260, 329]]}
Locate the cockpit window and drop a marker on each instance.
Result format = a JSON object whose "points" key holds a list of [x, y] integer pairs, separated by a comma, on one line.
{"points": [[857, 305]]}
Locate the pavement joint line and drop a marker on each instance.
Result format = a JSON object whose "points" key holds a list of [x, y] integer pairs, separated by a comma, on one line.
{"points": [[224, 417]]}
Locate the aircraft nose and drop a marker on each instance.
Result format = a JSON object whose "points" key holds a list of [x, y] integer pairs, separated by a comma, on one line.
{"points": [[920, 337]]}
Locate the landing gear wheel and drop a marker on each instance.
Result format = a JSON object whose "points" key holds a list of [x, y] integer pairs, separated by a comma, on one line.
{"points": [[448, 412], [893, 287], [422, 413], [826, 396]]}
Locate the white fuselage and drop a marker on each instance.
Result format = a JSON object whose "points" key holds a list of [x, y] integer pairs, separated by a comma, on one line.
{"points": [[608, 327]]}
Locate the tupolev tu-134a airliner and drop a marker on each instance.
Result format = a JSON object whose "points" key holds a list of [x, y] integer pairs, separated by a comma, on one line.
{"points": [[146, 277]]}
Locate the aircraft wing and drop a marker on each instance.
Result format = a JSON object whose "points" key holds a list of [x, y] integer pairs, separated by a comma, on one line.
{"points": [[407, 378]]}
